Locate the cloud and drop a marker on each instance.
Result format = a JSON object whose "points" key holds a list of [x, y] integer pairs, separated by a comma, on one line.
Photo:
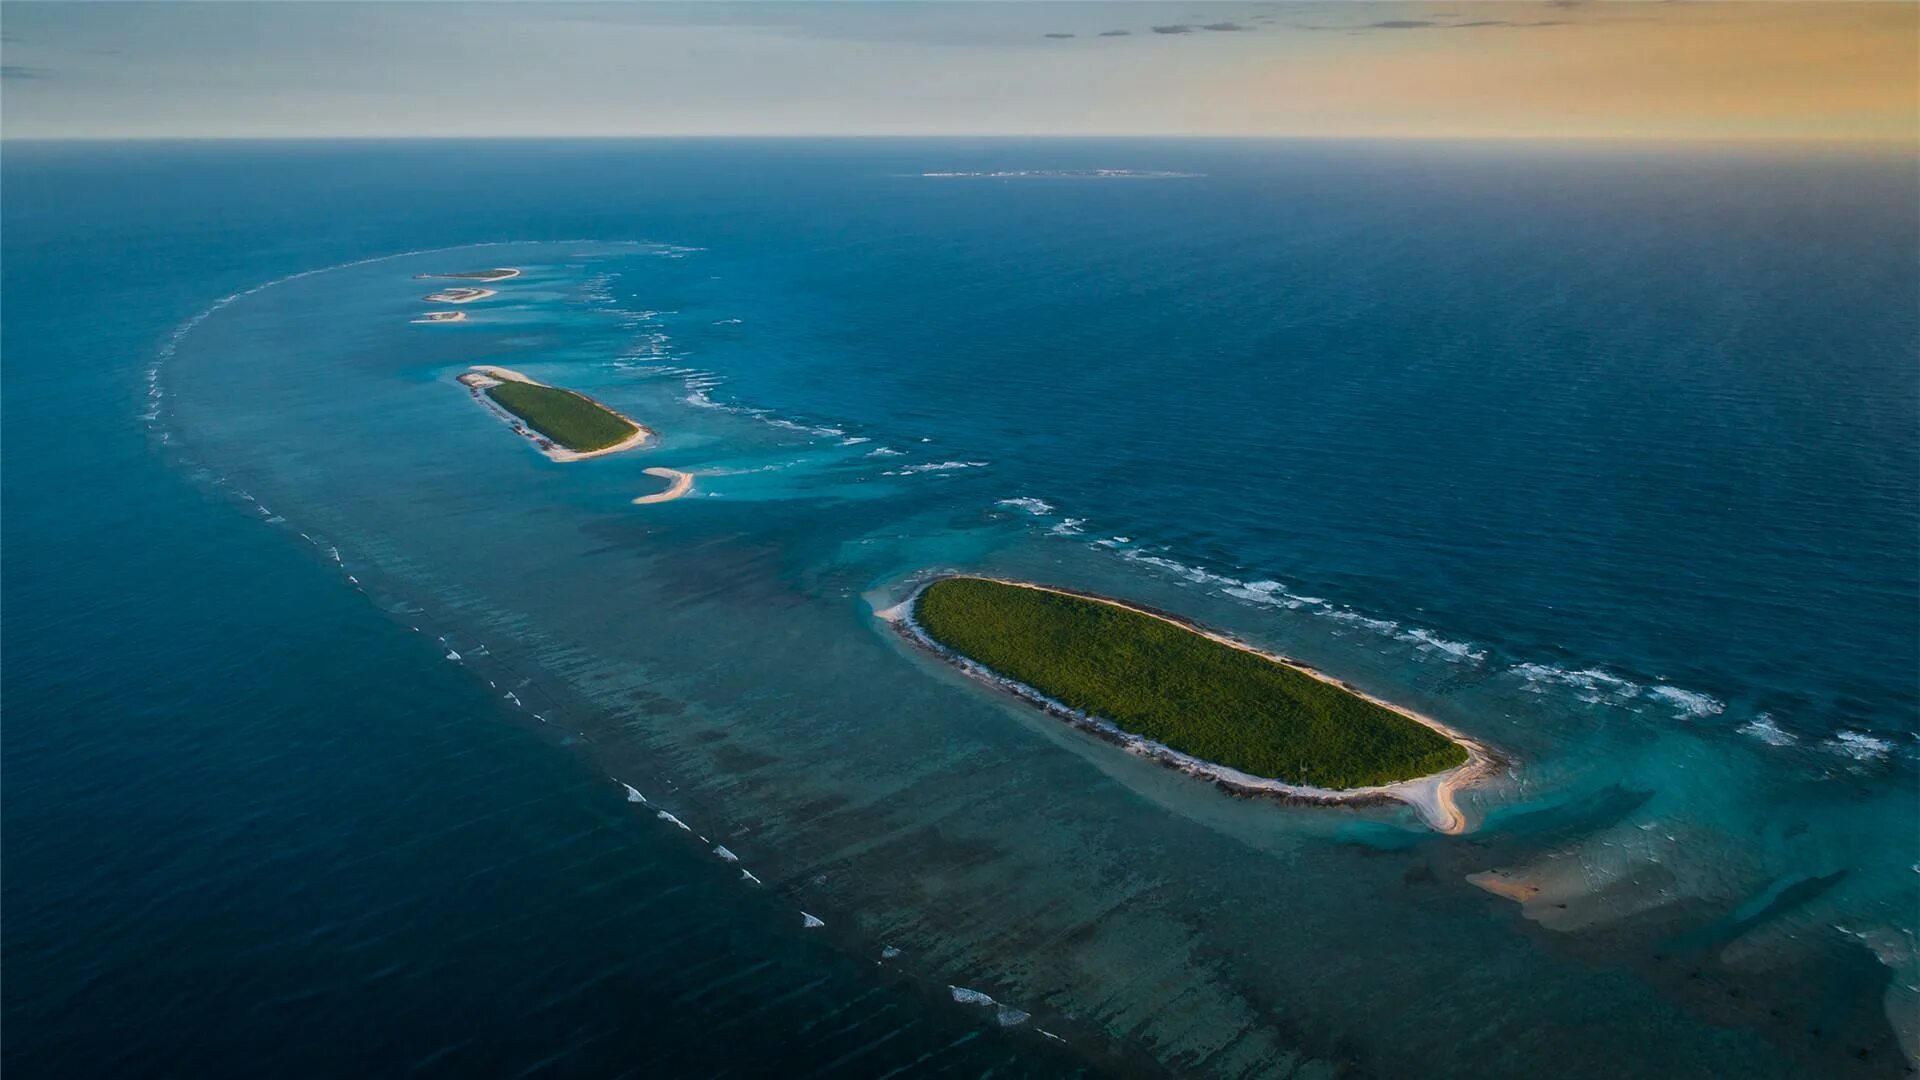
{"points": [[1400, 24], [21, 71], [1057, 35], [1225, 27], [1115, 33], [1178, 28]]}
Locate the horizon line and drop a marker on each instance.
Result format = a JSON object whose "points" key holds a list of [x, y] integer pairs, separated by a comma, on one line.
{"points": [[1908, 141]]}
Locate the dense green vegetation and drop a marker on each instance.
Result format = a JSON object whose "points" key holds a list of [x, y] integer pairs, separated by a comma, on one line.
{"points": [[572, 420], [1196, 695]]}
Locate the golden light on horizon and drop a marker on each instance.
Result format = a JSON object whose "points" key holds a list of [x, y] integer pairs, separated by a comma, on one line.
{"points": [[1697, 71]]}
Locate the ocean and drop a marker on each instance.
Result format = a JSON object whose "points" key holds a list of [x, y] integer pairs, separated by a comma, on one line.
{"points": [[346, 733]]}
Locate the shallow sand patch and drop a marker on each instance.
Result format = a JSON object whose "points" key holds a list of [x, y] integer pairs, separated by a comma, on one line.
{"points": [[1499, 883]]}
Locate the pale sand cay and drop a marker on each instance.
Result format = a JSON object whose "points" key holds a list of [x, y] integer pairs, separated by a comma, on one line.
{"points": [[682, 483], [442, 316], [482, 376], [459, 296], [1432, 797]]}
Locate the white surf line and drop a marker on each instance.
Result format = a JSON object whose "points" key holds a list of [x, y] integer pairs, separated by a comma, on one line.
{"points": [[1432, 797]]}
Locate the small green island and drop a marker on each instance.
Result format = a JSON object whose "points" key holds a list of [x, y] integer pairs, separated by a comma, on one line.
{"points": [[1192, 692], [569, 419], [566, 425]]}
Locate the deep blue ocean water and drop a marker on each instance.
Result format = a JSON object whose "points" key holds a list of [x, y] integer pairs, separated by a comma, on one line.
{"points": [[1605, 455]]}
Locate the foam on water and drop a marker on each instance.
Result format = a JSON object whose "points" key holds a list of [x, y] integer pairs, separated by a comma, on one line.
{"points": [[1687, 703], [1764, 728], [1859, 746], [936, 467], [965, 996]]}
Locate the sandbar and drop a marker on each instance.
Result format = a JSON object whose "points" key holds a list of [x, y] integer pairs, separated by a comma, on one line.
{"points": [[1432, 797], [462, 295], [682, 482], [482, 376], [442, 316]]}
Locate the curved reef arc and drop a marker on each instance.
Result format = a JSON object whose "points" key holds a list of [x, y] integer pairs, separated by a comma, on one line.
{"points": [[1431, 795]]}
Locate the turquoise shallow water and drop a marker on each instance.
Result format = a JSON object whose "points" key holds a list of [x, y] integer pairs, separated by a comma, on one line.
{"points": [[1606, 458]]}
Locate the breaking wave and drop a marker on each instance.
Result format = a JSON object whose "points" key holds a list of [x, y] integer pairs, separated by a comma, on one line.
{"points": [[1763, 728], [1859, 746], [935, 466]]}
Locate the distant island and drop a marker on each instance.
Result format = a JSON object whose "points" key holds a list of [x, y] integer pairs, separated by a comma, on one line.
{"points": [[498, 273], [459, 295], [1252, 722], [565, 425], [442, 316], [1061, 174]]}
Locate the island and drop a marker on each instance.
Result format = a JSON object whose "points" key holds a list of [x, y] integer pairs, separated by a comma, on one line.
{"points": [[442, 317], [565, 425], [460, 295], [1252, 722], [498, 273]]}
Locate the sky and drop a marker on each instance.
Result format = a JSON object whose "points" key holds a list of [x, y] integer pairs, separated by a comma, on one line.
{"points": [[1519, 69]]}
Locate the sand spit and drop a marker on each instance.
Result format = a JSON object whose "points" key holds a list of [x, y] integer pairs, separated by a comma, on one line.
{"points": [[462, 295], [442, 316], [682, 482], [483, 376], [1432, 797]]}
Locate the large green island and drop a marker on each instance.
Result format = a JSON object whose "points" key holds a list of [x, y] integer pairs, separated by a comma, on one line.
{"points": [[565, 425], [1253, 722]]}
